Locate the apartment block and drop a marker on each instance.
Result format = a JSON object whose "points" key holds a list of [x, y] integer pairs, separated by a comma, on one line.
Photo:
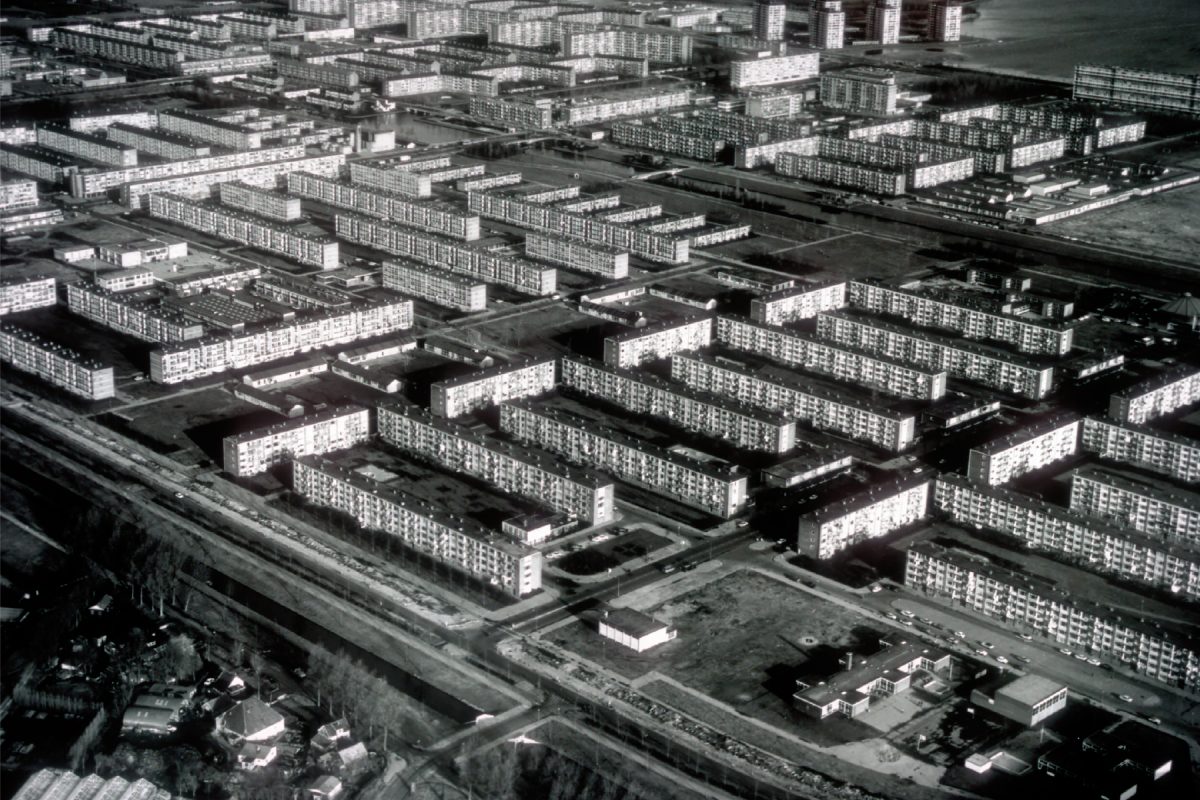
{"points": [[1138, 88], [440, 218], [877, 180], [398, 181], [656, 46], [249, 229], [437, 251], [18, 194], [747, 72], [806, 350], [435, 285], [993, 368], [579, 255], [1043, 526], [259, 201], [883, 21], [978, 321], [634, 347], [55, 364], [174, 363], [1131, 500], [1159, 451], [339, 77], [719, 417], [112, 48], [821, 407], [135, 316], [870, 514], [157, 143], [87, 145], [36, 162], [945, 21], [198, 185], [523, 471], [473, 391], [515, 112], [719, 489], [210, 129], [457, 541], [862, 90], [648, 135], [26, 293], [1001, 460], [630, 103], [826, 25], [254, 452], [1156, 397], [1162, 653], [795, 303]]}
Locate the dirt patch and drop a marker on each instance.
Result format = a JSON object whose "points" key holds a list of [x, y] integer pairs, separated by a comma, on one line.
{"points": [[1162, 225]]}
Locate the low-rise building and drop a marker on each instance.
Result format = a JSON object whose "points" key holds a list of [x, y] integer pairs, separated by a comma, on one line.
{"points": [[1027, 699], [887, 672], [635, 630], [869, 514]]}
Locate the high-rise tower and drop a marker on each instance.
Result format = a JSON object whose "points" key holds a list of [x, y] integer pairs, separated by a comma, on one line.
{"points": [[826, 25], [768, 19], [945, 21], [883, 21]]}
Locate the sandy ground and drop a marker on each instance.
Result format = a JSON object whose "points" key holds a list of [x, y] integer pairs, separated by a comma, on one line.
{"points": [[1166, 225]]}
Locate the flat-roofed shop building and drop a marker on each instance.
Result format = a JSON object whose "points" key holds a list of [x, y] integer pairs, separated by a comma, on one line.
{"points": [[889, 671], [456, 541], [635, 630]]}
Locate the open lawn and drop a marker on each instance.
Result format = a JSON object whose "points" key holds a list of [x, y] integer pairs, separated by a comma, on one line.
{"points": [[741, 638], [1164, 225]]}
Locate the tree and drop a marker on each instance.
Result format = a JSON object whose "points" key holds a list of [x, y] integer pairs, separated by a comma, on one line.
{"points": [[182, 657]]}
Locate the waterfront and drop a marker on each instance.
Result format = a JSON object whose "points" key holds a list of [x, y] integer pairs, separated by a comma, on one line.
{"points": [[1034, 37]]}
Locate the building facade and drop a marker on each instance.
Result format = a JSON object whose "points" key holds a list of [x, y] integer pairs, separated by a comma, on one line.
{"points": [[1156, 397], [456, 541], [489, 387], [794, 303], [1159, 451], [1153, 507], [55, 364], [259, 201], [719, 489], [867, 515], [1001, 460], [522, 471], [634, 347], [435, 285], [24, 294], [256, 451]]}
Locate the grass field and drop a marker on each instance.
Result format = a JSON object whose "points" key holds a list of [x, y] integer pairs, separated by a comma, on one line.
{"points": [[1166, 225], [742, 639]]}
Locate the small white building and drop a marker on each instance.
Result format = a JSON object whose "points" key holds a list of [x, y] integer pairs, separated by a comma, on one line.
{"points": [[635, 630], [251, 720], [256, 756]]}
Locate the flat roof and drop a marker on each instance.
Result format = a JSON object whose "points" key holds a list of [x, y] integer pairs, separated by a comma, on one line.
{"points": [[1148, 485], [1030, 689], [884, 663], [296, 423], [1040, 427], [631, 622]]}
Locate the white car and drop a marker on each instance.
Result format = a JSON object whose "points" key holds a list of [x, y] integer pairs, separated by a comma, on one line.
{"points": [[907, 613], [1002, 659]]}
